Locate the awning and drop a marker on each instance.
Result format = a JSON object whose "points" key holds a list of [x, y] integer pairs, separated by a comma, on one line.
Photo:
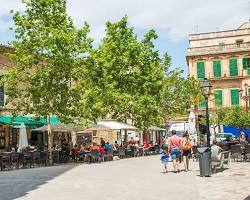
{"points": [[115, 125], [29, 121], [60, 127], [155, 128]]}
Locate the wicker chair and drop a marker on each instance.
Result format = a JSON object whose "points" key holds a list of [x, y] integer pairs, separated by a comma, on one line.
{"points": [[94, 156], [247, 151], [27, 159], [15, 160], [44, 158], [236, 152], [35, 156], [55, 157], [5, 161], [122, 152], [108, 156]]}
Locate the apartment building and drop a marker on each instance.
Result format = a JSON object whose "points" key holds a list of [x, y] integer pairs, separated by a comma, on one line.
{"points": [[223, 58]]}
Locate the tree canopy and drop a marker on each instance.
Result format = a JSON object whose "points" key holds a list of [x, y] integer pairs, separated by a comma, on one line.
{"points": [[128, 79], [49, 55], [59, 72], [236, 116]]}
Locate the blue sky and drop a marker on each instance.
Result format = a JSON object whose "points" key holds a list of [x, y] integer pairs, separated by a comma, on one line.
{"points": [[173, 19]]}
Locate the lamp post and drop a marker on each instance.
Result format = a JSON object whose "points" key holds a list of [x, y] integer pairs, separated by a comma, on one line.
{"points": [[245, 97], [206, 91]]}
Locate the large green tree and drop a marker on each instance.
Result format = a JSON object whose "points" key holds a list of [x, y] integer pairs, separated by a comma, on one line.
{"points": [[50, 55], [129, 80]]}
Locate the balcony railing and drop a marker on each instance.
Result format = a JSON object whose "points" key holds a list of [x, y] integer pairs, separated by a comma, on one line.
{"points": [[226, 75], [218, 49], [219, 34]]}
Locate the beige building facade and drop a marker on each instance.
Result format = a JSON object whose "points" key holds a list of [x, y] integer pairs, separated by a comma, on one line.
{"points": [[223, 58]]}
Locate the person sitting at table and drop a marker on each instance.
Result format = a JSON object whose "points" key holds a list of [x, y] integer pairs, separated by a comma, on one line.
{"points": [[94, 147], [74, 151], [146, 145], [102, 152], [108, 147], [132, 141], [116, 145], [215, 151], [102, 142]]}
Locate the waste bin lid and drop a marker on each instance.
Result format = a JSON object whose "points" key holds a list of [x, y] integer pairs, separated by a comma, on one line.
{"points": [[202, 149]]}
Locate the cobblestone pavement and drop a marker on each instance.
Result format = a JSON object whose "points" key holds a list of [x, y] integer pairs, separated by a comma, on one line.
{"points": [[136, 178]]}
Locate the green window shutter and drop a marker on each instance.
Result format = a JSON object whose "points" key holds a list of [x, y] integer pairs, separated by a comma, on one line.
{"points": [[245, 63], [233, 67], [248, 72], [235, 98], [201, 70], [217, 68], [202, 104], [218, 98]]}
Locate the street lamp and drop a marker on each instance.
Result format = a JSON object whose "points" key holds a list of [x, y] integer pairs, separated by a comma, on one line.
{"points": [[206, 91], [245, 97]]}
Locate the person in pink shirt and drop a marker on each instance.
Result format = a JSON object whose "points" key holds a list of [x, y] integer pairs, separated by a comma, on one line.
{"points": [[174, 149]]}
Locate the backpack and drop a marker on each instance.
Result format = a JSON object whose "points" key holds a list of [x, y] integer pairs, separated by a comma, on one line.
{"points": [[187, 145]]}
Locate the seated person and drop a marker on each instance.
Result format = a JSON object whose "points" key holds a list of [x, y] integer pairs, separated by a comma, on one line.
{"points": [[132, 141], [116, 145], [108, 146], [94, 147], [215, 151], [146, 145], [101, 150]]}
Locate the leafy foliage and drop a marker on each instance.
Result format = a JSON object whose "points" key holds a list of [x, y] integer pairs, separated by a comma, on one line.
{"points": [[129, 80], [49, 55], [58, 72], [236, 116]]}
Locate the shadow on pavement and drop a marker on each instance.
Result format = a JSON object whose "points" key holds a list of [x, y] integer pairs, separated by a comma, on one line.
{"points": [[17, 183]]}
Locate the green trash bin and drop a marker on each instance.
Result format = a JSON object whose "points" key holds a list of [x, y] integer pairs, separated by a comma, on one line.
{"points": [[205, 161]]}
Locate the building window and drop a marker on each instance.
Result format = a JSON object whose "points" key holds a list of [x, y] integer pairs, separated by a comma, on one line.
{"points": [[218, 98], [246, 63], [235, 97], [233, 67], [217, 68], [202, 104], [239, 42], [200, 70]]}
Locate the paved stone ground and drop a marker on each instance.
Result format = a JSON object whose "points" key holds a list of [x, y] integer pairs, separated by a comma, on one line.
{"points": [[136, 178], [17, 183]]}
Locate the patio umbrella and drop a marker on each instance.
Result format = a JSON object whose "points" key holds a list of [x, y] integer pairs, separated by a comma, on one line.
{"points": [[191, 123], [192, 127], [23, 139]]}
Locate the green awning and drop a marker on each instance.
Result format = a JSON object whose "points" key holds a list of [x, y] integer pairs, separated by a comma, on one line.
{"points": [[30, 122]]}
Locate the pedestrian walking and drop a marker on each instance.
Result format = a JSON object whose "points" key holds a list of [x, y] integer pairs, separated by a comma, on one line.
{"points": [[174, 149], [186, 150], [164, 161]]}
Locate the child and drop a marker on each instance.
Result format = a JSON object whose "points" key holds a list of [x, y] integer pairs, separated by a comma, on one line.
{"points": [[164, 160]]}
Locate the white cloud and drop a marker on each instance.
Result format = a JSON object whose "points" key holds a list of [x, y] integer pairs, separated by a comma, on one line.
{"points": [[176, 18]]}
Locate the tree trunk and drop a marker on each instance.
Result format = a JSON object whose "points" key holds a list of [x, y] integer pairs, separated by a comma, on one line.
{"points": [[50, 141]]}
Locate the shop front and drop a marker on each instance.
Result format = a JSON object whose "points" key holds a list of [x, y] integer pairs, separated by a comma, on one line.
{"points": [[9, 130]]}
